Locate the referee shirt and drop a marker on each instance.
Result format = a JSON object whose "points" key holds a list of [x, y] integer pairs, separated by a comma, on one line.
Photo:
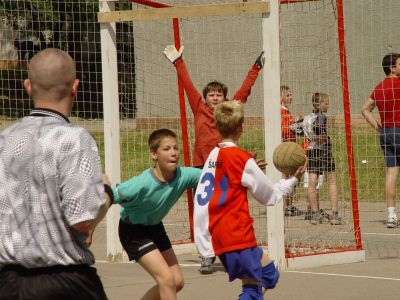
{"points": [[50, 180]]}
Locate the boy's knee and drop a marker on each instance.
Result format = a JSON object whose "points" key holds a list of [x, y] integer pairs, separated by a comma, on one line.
{"points": [[251, 292], [270, 276], [167, 280]]}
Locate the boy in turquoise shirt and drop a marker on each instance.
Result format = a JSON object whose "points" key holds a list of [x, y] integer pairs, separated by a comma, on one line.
{"points": [[146, 199]]}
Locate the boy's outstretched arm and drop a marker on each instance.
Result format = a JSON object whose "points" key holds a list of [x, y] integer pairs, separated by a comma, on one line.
{"points": [[261, 187], [175, 57], [172, 54], [244, 91]]}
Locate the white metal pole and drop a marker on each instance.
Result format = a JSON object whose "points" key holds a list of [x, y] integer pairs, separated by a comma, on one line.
{"points": [[272, 125], [111, 125]]}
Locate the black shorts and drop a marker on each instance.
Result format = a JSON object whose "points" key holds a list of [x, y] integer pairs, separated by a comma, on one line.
{"points": [[139, 239], [79, 282], [320, 161]]}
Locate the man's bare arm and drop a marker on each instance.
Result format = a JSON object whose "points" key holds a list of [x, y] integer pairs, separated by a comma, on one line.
{"points": [[366, 111]]}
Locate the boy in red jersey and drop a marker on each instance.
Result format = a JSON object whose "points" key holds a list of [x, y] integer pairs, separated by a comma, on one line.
{"points": [[288, 135], [206, 135], [386, 97], [223, 225]]}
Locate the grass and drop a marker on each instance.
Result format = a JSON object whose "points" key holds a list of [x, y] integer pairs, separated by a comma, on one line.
{"points": [[368, 158]]}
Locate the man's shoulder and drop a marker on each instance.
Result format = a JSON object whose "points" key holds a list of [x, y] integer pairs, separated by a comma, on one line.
{"points": [[388, 82]]}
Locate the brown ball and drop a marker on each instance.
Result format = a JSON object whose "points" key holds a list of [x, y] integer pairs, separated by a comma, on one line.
{"points": [[288, 157]]}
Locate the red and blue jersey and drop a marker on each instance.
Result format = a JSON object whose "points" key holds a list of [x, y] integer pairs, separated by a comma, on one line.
{"points": [[222, 220]]}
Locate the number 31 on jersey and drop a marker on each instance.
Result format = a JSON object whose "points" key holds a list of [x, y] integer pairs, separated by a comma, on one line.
{"points": [[207, 185]]}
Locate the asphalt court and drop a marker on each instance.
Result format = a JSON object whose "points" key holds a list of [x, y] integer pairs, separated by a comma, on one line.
{"points": [[378, 278]]}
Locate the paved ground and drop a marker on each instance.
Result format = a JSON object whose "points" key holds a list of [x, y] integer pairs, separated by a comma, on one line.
{"points": [[377, 279]]}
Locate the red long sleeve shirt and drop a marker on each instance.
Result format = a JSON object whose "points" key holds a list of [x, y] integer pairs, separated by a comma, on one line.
{"points": [[206, 134], [287, 120]]}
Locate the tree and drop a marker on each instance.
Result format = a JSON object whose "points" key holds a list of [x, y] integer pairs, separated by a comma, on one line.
{"points": [[72, 26]]}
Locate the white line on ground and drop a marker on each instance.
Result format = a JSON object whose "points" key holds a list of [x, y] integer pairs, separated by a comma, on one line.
{"points": [[371, 233], [378, 233], [344, 275]]}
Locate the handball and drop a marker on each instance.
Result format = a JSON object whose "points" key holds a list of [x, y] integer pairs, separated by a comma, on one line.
{"points": [[288, 157]]}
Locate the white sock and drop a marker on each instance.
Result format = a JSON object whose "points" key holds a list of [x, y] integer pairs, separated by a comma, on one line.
{"points": [[391, 212]]}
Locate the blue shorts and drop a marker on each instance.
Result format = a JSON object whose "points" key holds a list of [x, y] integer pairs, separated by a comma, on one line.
{"points": [[390, 144], [244, 263]]}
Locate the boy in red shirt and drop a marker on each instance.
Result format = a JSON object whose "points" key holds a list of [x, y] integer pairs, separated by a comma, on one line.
{"points": [[386, 97], [206, 134], [288, 135], [223, 225]]}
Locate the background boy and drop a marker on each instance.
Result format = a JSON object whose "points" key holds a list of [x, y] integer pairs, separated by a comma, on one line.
{"points": [[223, 225], [288, 135], [206, 135], [386, 96], [146, 199], [320, 159]]}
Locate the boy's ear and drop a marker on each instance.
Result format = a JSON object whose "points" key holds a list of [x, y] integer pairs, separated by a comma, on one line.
{"points": [[153, 155]]}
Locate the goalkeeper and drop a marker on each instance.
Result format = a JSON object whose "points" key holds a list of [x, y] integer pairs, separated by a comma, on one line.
{"points": [[206, 134]]}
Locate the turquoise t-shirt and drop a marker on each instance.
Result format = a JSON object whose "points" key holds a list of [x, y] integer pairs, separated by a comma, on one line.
{"points": [[146, 200]]}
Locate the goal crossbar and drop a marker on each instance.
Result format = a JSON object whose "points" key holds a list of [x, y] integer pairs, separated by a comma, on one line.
{"points": [[179, 12]]}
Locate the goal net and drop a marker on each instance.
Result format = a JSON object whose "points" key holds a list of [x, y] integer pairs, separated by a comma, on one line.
{"points": [[312, 58], [311, 63], [224, 48]]}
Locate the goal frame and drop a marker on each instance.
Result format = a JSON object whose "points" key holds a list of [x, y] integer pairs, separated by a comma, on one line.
{"points": [[271, 82]]}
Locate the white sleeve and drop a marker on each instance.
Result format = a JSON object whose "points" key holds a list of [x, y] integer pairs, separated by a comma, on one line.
{"points": [[261, 187]]}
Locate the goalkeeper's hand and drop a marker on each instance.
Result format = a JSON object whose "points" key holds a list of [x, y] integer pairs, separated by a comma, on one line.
{"points": [[172, 54], [260, 60]]}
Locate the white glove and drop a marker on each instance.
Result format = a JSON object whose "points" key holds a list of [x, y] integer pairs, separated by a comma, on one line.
{"points": [[172, 54]]}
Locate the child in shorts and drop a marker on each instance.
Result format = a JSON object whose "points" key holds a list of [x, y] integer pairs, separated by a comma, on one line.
{"points": [[223, 226], [146, 199], [320, 160]]}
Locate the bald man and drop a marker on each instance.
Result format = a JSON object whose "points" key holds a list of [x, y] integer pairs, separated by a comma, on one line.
{"points": [[52, 192]]}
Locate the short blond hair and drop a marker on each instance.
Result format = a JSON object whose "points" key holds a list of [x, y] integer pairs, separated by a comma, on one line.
{"points": [[229, 116]]}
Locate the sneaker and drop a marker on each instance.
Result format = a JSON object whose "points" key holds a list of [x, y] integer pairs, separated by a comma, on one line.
{"points": [[206, 265], [292, 211], [319, 217], [324, 216], [391, 222], [335, 219]]}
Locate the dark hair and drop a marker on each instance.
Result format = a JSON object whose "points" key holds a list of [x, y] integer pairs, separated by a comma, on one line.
{"points": [[317, 98], [157, 136], [389, 60], [284, 88], [215, 86]]}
